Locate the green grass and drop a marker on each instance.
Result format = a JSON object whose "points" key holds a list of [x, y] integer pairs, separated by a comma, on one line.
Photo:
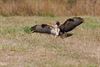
{"points": [[27, 29], [20, 47], [91, 23]]}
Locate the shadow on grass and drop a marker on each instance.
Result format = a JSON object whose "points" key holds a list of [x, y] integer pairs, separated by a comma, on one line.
{"points": [[66, 35]]}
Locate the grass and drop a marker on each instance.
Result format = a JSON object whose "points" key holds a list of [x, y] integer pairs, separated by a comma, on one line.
{"points": [[49, 7], [91, 23], [27, 29], [21, 48]]}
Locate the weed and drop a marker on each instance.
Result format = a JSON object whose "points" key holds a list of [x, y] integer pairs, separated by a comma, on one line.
{"points": [[27, 29]]}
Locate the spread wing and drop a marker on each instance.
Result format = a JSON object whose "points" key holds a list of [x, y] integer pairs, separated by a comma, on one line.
{"points": [[70, 24]]}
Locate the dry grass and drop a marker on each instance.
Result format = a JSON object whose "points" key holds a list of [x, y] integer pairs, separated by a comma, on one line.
{"points": [[21, 48], [49, 7]]}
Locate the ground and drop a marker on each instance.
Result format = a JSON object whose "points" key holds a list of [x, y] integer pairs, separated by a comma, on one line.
{"points": [[21, 48]]}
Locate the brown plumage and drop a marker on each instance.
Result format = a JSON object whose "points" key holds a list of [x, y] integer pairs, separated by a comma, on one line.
{"points": [[70, 24], [67, 26]]}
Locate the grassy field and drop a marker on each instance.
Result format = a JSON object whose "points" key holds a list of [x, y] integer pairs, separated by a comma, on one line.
{"points": [[21, 48], [49, 7]]}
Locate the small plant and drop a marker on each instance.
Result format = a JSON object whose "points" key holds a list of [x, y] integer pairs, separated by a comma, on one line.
{"points": [[27, 29]]}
